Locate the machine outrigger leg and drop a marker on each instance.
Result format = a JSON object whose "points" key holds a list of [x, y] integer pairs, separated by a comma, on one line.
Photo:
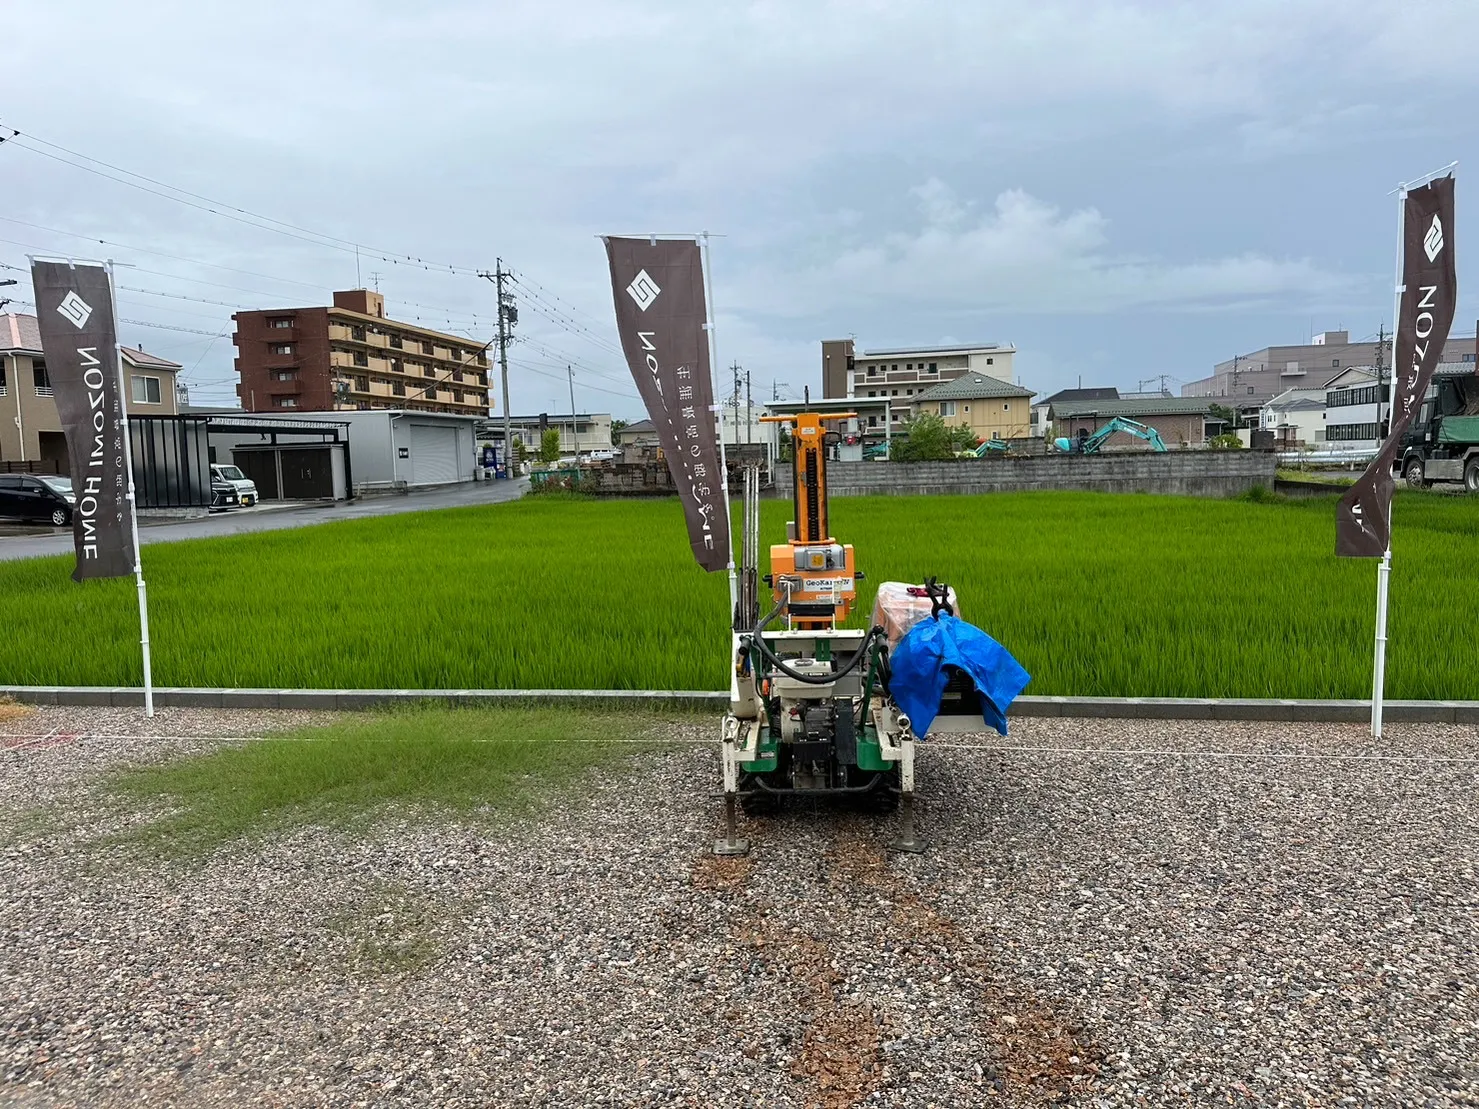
{"points": [[731, 844]]}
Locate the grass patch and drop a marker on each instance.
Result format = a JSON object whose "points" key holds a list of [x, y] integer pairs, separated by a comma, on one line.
{"points": [[1097, 594], [431, 762]]}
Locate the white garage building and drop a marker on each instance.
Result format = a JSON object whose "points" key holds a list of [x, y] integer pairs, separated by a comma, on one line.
{"points": [[388, 449], [393, 448]]}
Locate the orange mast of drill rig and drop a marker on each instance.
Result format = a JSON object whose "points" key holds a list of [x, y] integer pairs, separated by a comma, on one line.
{"points": [[812, 567]]}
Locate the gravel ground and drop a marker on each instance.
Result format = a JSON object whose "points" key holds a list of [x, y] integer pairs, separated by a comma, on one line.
{"points": [[1098, 923]]}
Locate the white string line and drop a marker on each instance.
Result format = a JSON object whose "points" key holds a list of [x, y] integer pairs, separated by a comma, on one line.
{"points": [[924, 744], [28, 738], [1191, 753]]}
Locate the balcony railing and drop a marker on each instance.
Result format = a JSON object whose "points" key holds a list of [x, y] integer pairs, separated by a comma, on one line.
{"points": [[43, 390]]}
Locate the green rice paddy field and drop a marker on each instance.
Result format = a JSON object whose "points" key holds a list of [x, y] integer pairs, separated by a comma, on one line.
{"points": [[1096, 594]]}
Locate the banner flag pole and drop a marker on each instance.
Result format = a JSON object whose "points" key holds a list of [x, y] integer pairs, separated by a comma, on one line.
{"points": [[718, 411], [133, 514], [1384, 567]]}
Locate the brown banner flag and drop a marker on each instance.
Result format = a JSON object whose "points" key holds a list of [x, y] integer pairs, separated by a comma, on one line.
{"points": [[74, 310], [1363, 517], [660, 314]]}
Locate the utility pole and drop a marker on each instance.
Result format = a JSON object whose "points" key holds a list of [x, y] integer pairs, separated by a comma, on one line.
{"points": [[1381, 378], [749, 409], [574, 427], [734, 400], [508, 316]]}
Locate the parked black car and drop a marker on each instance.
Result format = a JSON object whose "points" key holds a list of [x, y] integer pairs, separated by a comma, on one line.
{"points": [[42, 497], [223, 496]]}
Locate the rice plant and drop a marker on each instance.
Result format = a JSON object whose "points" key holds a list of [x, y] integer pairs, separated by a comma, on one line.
{"points": [[1096, 594]]}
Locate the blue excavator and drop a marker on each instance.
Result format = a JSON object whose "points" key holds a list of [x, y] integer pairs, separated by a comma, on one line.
{"points": [[1090, 444]]}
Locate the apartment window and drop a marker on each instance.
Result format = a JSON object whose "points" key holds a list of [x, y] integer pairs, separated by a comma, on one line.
{"points": [[990, 361], [872, 421], [361, 358], [872, 392], [908, 365], [282, 348], [427, 371], [398, 388], [146, 390], [277, 375], [1250, 390], [947, 408], [934, 366], [1335, 362], [482, 359], [896, 392], [1468, 358], [456, 375], [872, 371], [454, 353], [3, 389], [281, 321], [908, 392], [427, 348], [285, 402], [968, 408], [362, 384], [357, 334], [896, 365], [395, 341], [40, 377], [1004, 408]]}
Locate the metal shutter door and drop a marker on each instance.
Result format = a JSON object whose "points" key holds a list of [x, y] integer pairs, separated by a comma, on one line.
{"points": [[433, 454]]}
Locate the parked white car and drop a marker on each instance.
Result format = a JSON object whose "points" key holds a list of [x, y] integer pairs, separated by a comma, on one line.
{"points": [[246, 488]]}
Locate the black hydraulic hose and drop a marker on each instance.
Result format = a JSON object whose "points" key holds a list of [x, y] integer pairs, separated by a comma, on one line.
{"points": [[809, 679]]}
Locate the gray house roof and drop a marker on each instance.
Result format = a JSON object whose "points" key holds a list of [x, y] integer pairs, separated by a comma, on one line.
{"points": [[143, 361], [971, 387], [19, 331], [1130, 409], [1105, 392], [641, 426]]}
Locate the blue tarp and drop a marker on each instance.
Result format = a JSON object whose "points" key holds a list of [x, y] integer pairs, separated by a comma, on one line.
{"points": [[919, 676]]}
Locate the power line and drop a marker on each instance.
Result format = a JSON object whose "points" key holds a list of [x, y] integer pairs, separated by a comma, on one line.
{"points": [[163, 254], [242, 215]]}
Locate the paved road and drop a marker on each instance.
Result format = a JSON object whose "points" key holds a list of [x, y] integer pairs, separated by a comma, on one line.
{"points": [[271, 518]]}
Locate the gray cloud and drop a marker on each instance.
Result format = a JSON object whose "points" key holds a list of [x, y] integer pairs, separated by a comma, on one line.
{"points": [[1136, 187]]}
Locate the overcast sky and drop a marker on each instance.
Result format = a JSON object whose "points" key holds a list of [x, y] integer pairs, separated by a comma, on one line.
{"points": [[1122, 190]]}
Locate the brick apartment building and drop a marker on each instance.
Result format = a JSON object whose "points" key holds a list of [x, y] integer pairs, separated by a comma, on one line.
{"points": [[351, 357]]}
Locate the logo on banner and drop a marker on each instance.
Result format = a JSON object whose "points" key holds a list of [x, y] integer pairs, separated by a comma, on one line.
{"points": [[1433, 241], [643, 290], [75, 310]]}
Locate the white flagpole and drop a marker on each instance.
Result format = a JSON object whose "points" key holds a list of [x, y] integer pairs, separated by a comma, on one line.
{"points": [[1384, 568], [133, 511], [718, 411]]}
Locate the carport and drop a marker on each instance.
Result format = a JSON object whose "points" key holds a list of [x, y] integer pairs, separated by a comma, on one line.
{"points": [[289, 460]]}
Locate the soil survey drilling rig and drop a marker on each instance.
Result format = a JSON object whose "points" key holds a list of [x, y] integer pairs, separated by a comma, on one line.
{"points": [[818, 710]]}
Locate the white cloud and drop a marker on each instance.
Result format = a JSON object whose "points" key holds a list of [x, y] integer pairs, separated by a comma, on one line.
{"points": [[1024, 255]]}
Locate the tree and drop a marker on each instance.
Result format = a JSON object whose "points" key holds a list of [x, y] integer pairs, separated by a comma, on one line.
{"points": [[962, 438], [1221, 412], [616, 426], [925, 439], [1227, 441], [549, 445]]}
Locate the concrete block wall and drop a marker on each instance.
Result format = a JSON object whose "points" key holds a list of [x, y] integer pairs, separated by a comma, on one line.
{"points": [[1188, 473]]}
